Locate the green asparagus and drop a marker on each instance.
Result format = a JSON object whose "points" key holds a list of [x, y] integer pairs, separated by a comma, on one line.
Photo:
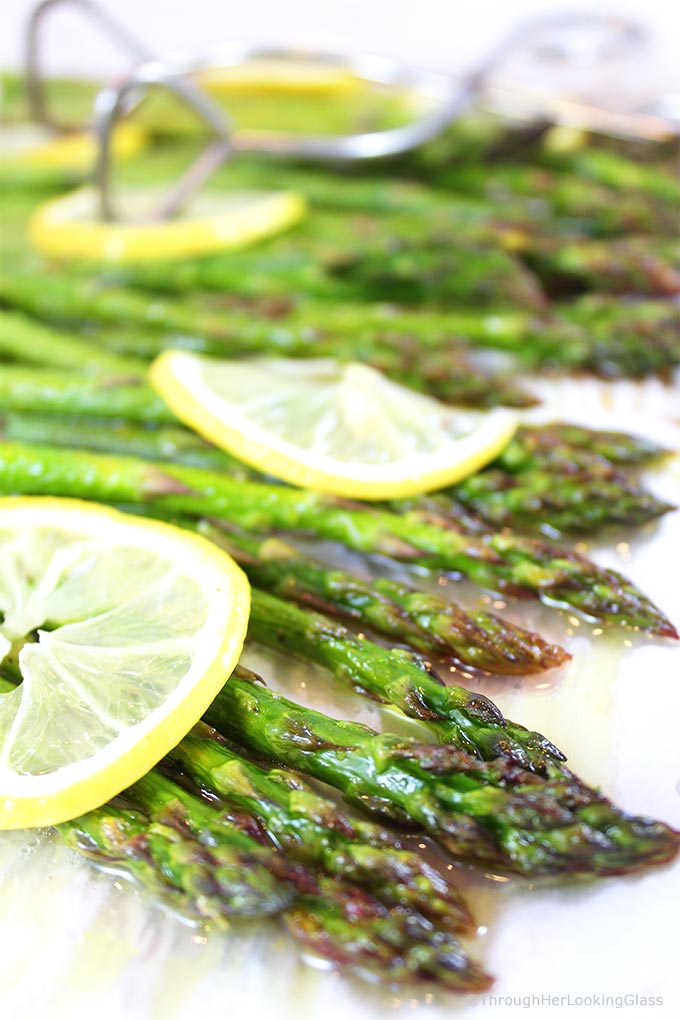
{"points": [[583, 501], [561, 448], [22, 339], [630, 265], [590, 207], [312, 829], [103, 396], [498, 561], [425, 349], [425, 621], [445, 370], [493, 813], [158, 833], [457, 717], [335, 919], [208, 865], [615, 170], [562, 444]]}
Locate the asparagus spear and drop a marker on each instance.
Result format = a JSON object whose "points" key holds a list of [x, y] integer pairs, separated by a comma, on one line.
{"points": [[148, 441], [445, 370], [500, 561], [312, 829], [386, 258], [583, 501], [427, 622], [209, 865], [559, 447], [493, 813], [22, 339], [437, 271], [600, 336], [592, 208], [562, 443], [616, 171], [335, 919], [104, 396], [466, 721], [560, 477], [629, 339], [285, 325], [637, 265], [159, 835]]}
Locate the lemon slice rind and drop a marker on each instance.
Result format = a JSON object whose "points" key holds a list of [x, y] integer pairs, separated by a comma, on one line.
{"points": [[63, 663], [271, 76], [27, 145], [69, 227], [416, 444]]}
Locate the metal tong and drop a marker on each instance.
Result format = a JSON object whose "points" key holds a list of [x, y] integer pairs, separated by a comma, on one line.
{"points": [[571, 40]]}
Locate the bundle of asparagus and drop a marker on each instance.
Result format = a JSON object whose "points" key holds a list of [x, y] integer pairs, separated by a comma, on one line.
{"points": [[218, 834], [502, 562], [344, 888], [563, 488], [494, 813], [425, 349]]}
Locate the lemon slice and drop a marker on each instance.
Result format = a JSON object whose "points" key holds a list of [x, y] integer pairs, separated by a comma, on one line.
{"points": [[29, 145], [280, 77], [338, 428], [125, 631], [70, 227]]}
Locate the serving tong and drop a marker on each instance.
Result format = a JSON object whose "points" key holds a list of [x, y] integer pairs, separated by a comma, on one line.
{"points": [[577, 41]]}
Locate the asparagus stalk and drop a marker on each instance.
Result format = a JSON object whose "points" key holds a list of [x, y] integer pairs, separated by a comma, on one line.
{"points": [[596, 335], [560, 478], [208, 865], [593, 334], [617, 171], [445, 370], [159, 835], [285, 325], [389, 263], [581, 502], [559, 447], [562, 443], [499, 561], [637, 265], [457, 717], [629, 339], [102, 396], [427, 622], [22, 339], [335, 919], [589, 207], [310, 828], [493, 813]]}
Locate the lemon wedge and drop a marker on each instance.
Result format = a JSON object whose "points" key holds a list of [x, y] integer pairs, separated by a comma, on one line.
{"points": [[70, 226], [338, 428], [123, 630], [29, 145]]}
